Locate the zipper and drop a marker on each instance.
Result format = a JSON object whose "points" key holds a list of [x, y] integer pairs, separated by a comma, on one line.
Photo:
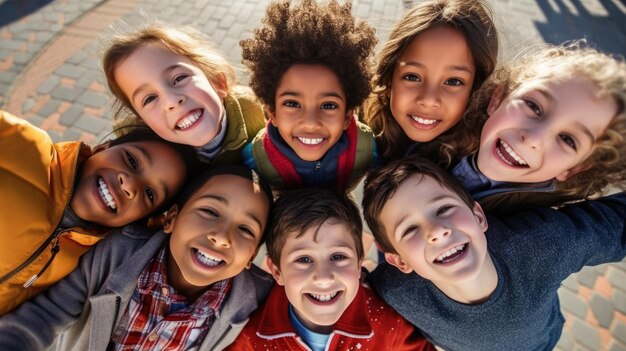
{"points": [[55, 236], [318, 165], [117, 312]]}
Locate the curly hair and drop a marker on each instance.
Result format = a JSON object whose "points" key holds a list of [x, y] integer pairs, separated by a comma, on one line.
{"points": [[473, 18], [184, 41], [606, 163], [310, 33]]}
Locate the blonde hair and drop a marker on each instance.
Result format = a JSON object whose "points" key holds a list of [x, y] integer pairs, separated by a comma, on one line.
{"points": [[472, 18], [184, 41], [558, 63]]}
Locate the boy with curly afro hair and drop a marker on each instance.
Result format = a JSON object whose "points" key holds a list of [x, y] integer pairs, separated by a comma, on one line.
{"points": [[310, 67]]}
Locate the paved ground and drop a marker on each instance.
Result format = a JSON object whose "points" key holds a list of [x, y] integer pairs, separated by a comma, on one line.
{"points": [[50, 75]]}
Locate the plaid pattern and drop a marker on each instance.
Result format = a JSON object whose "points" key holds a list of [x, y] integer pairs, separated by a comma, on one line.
{"points": [[158, 318]]}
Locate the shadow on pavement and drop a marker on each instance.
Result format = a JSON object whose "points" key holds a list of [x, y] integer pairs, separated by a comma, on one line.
{"points": [[605, 33], [13, 10]]}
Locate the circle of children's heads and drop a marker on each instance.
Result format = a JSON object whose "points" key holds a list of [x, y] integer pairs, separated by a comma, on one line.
{"points": [[179, 40], [284, 40], [470, 18]]}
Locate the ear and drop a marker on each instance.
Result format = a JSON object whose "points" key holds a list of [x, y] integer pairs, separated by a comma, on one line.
{"points": [[397, 261], [271, 116], [101, 147], [170, 219], [349, 117], [570, 172], [256, 252], [275, 270], [496, 99], [221, 85], [480, 217]]}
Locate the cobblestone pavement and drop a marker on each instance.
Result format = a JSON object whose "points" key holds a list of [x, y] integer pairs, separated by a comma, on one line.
{"points": [[50, 75]]}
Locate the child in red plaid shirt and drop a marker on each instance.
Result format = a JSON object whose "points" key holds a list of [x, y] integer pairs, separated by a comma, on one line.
{"points": [[185, 287]]}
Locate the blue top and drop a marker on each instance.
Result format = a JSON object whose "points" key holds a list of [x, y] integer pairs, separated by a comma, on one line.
{"points": [[533, 253], [316, 341], [480, 186]]}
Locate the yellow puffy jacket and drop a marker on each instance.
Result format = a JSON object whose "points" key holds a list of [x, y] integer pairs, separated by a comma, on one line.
{"points": [[36, 183]]}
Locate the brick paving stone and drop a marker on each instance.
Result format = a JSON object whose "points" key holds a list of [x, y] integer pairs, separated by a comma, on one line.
{"points": [[94, 99], [619, 300], [573, 303], [69, 135], [587, 276], [49, 108], [8, 77], [602, 309], [586, 335], [92, 124], [69, 70], [619, 331], [571, 283], [49, 85], [617, 277], [67, 94], [616, 346], [566, 342], [71, 114]]}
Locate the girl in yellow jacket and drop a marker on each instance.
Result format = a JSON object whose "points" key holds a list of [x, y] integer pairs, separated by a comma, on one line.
{"points": [[57, 200]]}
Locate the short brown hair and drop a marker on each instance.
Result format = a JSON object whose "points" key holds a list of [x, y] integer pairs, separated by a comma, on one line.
{"points": [[382, 184], [184, 41], [472, 18], [310, 33], [299, 210]]}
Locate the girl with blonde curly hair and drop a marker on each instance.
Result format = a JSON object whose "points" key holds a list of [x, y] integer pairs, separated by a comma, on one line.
{"points": [[554, 130]]}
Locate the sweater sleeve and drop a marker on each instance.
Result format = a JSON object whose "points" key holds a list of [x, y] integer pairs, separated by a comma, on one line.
{"points": [[408, 337], [37, 322]]}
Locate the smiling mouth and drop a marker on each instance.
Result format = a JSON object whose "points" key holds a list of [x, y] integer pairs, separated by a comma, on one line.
{"points": [[190, 120], [508, 155], [324, 298], [206, 259], [424, 121], [105, 195], [310, 141], [451, 254]]}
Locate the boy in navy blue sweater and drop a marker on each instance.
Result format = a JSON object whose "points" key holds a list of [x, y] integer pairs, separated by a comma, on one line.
{"points": [[480, 284]]}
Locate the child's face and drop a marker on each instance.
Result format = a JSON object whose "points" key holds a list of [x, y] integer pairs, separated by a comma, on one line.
{"points": [[320, 271], [434, 232], [431, 83], [311, 110], [126, 182], [172, 95], [542, 130], [216, 233]]}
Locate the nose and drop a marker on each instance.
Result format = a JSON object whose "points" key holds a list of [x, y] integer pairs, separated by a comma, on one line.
{"points": [[219, 235], [437, 233], [533, 137], [323, 274], [429, 96], [310, 119], [174, 100], [128, 184]]}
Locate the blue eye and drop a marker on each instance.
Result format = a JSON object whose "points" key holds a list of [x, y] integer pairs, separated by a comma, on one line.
{"points": [[412, 77]]}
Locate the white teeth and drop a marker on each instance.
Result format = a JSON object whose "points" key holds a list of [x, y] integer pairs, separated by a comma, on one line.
{"points": [[189, 120], [511, 152], [423, 120], [105, 194], [324, 298], [310, 141], [450, 252], [207, 259]]}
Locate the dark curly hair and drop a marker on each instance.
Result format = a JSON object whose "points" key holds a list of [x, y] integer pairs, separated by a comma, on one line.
{"points": [[310, 33]]}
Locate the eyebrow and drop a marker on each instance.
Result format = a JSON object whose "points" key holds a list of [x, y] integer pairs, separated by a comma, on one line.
{"points": [[324, 94], [304, 247], [450, 67], [145, 85], [150, 161], [225, 202], [581, 127], [434, 199]]}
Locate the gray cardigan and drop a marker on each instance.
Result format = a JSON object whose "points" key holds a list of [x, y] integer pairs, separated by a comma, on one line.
{"points": [[79, 311]]}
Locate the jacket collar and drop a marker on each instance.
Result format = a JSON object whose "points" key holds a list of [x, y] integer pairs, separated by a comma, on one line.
{"points": [[275, 323], [236, 134]]}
